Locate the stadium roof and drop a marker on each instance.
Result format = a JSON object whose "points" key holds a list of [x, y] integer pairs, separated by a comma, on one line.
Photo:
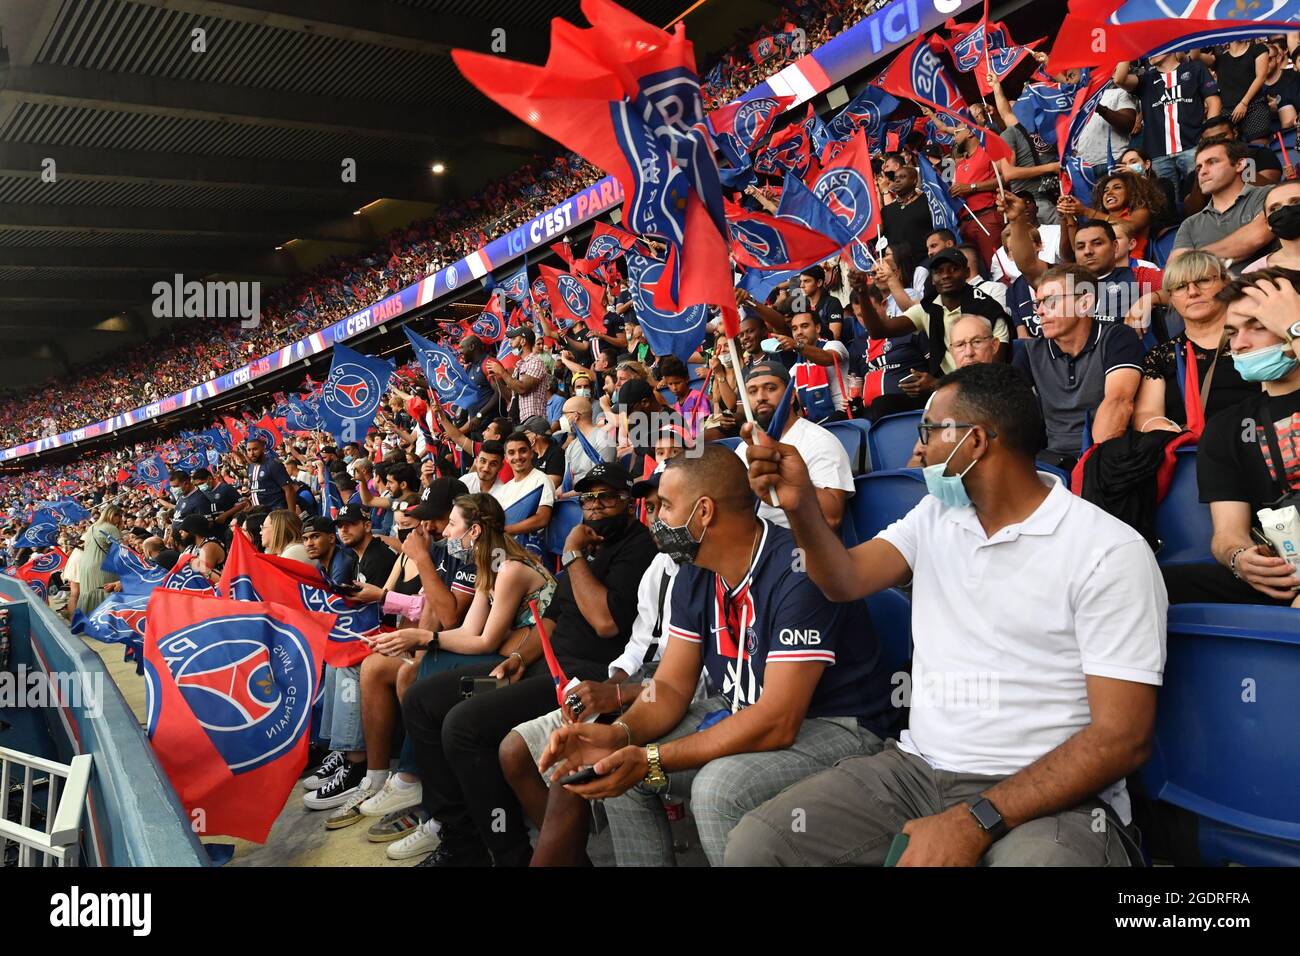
{"points": [[169, 159]]}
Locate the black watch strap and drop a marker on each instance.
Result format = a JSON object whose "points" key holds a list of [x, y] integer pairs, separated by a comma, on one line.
{"points": [[989, 819]]}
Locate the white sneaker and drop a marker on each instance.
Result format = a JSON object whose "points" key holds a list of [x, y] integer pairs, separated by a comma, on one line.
{"points": [[350, 812], [419, 842], [391, 798]]}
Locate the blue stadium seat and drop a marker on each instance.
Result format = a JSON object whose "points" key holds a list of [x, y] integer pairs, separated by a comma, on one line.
{"points": [[891, 616], [566, 516], [882, 497], [1160, 246], [1183, 520], [1225, 742], [1056, 472], [891, 440], [852, 434]]}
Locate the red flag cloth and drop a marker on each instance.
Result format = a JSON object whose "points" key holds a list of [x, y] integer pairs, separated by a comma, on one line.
{"points": [[917, 74], [248, 575], [270, 424], [756, 117], [552, 662], [563, 250], [229, 689], [37, 571], [624, 95], [575, 297], [847, 187], [980, 47], [237, 431], [763, 241], [609, 242]]}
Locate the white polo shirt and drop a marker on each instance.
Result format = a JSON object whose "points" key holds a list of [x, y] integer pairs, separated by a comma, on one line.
{"points": [[1005, 630], [827, 461]]}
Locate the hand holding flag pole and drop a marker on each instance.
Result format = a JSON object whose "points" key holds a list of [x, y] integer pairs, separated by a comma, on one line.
{"points": [[744, 400]]}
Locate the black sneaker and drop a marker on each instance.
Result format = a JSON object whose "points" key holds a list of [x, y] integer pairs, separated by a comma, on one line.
{"points": [[457, 854], [337, 789], [327, 769]]}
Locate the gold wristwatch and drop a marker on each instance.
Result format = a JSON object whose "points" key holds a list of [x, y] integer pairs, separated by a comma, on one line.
{"points": [[655, 779]]}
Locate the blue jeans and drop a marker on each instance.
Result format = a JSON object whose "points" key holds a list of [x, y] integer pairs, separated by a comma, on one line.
{"points": [[341, 717], [1176, 167]]}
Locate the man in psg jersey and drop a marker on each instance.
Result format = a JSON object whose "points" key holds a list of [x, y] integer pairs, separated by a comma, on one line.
{"points": [[795, 682]]}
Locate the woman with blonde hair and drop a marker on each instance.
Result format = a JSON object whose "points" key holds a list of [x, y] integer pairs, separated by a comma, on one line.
{"points": [[282, 536], [1193, 282], [91, 576]]}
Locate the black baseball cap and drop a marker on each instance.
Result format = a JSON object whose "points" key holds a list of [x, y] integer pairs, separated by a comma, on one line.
{"points": [[647, 484], [318, 523], [774, 369], [953, 256], [437, 499], [537, 425], [632, 391], [351, 513], [606, 473], [523, 330]]}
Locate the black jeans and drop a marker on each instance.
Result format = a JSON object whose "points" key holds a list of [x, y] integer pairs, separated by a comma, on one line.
{"points": [[1211, 584], [455, 743]]}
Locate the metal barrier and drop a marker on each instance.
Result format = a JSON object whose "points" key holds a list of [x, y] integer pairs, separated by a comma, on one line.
{"points": [[58, 843]]}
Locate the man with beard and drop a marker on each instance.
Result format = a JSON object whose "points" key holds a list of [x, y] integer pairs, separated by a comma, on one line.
{"points": [[828, 463], [589, 620]]}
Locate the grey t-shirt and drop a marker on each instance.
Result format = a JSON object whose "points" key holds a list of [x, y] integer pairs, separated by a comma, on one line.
{"points": [[1209, 225]]}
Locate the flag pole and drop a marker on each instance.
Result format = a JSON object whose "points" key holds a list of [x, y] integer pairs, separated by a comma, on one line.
{"points": [[744, 400], [975, 218]]}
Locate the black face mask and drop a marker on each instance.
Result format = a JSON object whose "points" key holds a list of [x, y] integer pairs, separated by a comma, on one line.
{"points": [[607, 527], [403, 532], [677, 541], [1285, 222]]}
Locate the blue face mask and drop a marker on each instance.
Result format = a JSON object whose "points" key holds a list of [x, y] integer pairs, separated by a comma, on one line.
{"points": [[1267, 364], [949, 489]]}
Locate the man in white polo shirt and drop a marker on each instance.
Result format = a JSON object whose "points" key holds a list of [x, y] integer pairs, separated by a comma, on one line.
{"points": [[824, 457], [1027, 714]]}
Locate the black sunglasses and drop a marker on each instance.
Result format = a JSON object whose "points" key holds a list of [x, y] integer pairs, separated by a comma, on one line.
{"points": [[601, 497]]}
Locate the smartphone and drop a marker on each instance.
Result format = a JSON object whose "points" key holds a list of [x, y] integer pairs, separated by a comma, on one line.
{"points": [[896, 849], [1261, 538], [585, 775], [469, 686], [347, 588], [907, 379]]}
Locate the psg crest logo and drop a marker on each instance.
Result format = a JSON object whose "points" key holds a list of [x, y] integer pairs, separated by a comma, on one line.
{"points": [[251, 697], [761, 241], [847, 193], [644, 274], [437, 372], [451, 278], [573, 293], [750, 119], [39, 587], [604, 247], [350, 620], [351, 391], [539, 292], [46, 563], [241, 589], [929, 81]]}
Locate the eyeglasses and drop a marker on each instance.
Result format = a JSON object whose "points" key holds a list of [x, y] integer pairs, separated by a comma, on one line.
{"points": [[1202, 284], [923, 429], [978, 342], [601, 497], [1051, 301]]}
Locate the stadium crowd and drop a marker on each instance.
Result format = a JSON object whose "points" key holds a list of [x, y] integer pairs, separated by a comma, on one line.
{"points": [[1044, 341]]}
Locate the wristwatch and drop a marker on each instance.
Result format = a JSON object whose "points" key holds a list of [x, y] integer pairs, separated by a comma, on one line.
{"points": [[569, 557], [1294, 331], [990, 821], [655, 778]]}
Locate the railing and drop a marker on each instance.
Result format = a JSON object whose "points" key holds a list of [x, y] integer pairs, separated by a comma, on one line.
{"points": [[66, 787]]}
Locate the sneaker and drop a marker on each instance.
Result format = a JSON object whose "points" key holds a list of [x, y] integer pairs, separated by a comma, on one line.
{"points": [[391, 798], [449, 854], [350, 812], [327, 769], [396, 825], [423, 839], [335, 791]]}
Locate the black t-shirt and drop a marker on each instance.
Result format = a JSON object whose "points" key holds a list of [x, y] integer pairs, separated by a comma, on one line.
{"points": [[1233, 461], [829, 310], [1286, 89], [1236, 73], [909, 224], [195, 503], [375, 564], [1227, 388], [618, 563], [552, 462]]}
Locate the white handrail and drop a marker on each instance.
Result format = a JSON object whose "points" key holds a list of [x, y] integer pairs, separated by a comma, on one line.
{"points": [[59, 844]]}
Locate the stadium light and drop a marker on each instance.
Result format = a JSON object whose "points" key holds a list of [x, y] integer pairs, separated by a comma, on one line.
{"points": [[438, 169]]}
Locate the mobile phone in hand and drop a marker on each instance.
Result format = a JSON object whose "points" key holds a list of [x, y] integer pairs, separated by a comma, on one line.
{"points": [[585, 775], [896, 849]]}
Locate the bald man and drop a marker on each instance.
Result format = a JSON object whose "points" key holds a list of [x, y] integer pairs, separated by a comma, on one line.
{"points": [[583, 454]]}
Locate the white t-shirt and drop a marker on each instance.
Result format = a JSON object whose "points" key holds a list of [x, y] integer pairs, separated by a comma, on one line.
{"points": [[517, 487], [996, 684], [827, 461], [1091, 146], [1004, 268], [473, 484], [576, 460]]}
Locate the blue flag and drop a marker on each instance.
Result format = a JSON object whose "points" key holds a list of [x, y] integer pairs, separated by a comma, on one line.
{"points": [[866, 111], [759, 283], [119, 619], [587, 447], [152, 471], [667, 333], [776, 425], [799, 203], [444, 372], [352, 393], [522, 510], [515, 285], [817, 131], [43, 532], [138, 574], [68, 510], [302, 415], [1041, 104], [331, 499], [943, 214]]}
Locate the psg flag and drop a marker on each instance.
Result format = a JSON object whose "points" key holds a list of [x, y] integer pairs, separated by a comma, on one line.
{"points": [[574, 297], [444, 373], [229, 687], [43, 532], [763, 241], [846, 186], [352, 393], [677, 332], [625, 96]]}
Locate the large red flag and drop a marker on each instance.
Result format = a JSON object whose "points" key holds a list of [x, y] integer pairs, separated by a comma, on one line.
{"points": [[847, 187], [575, 297], [235, 429], [229, 688], [762, 241], [609, 242], [624, 95]]}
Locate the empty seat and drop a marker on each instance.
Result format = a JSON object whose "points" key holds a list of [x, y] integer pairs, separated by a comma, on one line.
{"points": [[891, 439], [566, 516], [1161, 245], [1225, 743], [1182, 519], [852, 434], [882, 497]]}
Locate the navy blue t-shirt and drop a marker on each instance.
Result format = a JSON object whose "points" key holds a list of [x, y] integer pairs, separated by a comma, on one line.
{"points": [[458, 575], [266, 482], [785, 618], [195, 503]]}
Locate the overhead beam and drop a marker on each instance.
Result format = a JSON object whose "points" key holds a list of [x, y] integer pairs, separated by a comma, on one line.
{"points": [[373, 180], [152, 259], [377, 22], [188, 99], [83, 290], [276, 225]]}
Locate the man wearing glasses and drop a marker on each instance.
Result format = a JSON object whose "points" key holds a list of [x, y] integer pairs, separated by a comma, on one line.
{"points": [[973, 341], [1084, 371]]}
